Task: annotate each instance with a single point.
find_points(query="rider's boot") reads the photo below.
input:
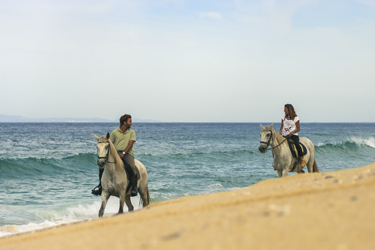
(133, 180)
(98, 189)
(302, 161)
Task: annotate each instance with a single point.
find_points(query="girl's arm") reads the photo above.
(281, 128)
(296, 130)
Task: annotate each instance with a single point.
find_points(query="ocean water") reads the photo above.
(47, 170)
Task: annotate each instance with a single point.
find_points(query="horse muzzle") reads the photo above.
(263, 148)
(102, 162)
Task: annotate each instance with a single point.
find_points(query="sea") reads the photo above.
(47, 170)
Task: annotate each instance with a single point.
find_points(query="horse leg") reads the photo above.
(279, 172)
(122, 201)
(285, 172)
(105, 197)
(129, 203)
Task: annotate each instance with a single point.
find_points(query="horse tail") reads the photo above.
(148, 196)
(145, 198)
(315, 167)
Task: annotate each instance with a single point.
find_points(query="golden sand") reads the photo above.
(332, 211)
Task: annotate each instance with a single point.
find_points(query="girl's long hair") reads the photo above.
(292, 112)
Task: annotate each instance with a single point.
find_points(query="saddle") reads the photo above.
(129, 171)
(294, 150)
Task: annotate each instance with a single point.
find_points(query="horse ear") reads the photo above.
(271, 126)
(261, 126)
(108, 135)
(97, 138)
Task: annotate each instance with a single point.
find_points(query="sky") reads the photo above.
(188, 61)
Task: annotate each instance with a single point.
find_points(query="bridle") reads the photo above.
(269, 142)
(106, 157)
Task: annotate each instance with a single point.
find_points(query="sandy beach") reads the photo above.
(334, 210)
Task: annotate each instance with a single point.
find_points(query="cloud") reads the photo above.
(213, 15)
(271, 13)
(367, 2)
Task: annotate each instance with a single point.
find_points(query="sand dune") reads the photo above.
(333, 210)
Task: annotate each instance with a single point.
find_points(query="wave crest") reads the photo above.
(31, 166)
(351, 145)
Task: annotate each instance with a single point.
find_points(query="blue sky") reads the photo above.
(188, 61)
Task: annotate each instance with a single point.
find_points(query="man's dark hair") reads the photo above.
(124, 118)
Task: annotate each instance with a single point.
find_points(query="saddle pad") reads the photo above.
(294, 151)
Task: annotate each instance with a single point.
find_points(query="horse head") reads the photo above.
(103, 149)
(265, 137)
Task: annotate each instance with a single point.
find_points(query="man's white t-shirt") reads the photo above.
(289, 125)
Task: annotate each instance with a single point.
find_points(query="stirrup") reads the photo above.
(134, 191)
(97, 190)
(302, 161)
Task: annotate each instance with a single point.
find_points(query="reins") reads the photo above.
(269, 142)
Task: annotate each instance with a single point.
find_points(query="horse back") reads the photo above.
(308, 144)
(141, 168)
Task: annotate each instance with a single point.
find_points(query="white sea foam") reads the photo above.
(357, 140)
(15, 229)
(360, 141)
(215, 186)
(68, 215)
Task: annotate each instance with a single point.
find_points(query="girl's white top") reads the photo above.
(289, 125)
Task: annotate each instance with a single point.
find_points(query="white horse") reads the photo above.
(114, 179)
(283, 160)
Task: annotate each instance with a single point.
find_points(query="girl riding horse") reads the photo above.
(290, 126)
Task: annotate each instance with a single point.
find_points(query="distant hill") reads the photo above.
(13, 118)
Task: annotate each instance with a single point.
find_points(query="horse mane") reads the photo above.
(118, 162)
(275, 133)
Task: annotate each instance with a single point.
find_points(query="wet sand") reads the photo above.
(334, 210)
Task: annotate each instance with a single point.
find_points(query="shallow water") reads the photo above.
(48, 169)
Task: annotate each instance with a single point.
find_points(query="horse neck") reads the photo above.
(113, 157)
(277, 140)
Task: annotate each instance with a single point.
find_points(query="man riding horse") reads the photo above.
(123, 138)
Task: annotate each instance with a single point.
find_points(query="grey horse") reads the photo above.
(283, 160)
(114, 180)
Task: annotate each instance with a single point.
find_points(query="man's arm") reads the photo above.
(127, 149)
